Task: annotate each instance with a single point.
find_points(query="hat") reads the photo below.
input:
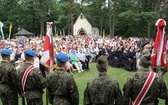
(16, 62)
(30, 53)
(145, 51)
(6, 52)
(102, 60)
(147, 46)
(146, 58)
(62, 57)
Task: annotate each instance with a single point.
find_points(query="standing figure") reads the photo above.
(31, 80)
(8, 80)
(61, 86)
(145, 86)
(102, 90)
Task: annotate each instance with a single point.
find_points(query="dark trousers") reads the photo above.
(9, 98)
(37, 101)
(84, 67)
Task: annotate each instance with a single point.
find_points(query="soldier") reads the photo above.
(102, 90)
(31, 80)
(8, 80)
(145, 86)
(61, 86)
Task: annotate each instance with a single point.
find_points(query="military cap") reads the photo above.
(147, 46)
(6, 52)
(146, 58)
(102, 60)
(30, 53)
(62, 57)
(145, 51)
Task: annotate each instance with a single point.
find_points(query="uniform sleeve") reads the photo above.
(86, 100)
(73, 91)
(127, 92)
(15, 79)
(118, 96)
(39, 80)
(163, 89)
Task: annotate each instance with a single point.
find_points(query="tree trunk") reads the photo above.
(41, 18)
(101, 26)
(109, 10)
(148, 30)
(69, 27)
(114, 18)
(72, 25)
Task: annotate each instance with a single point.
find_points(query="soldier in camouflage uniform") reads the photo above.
(61, 85)
(135, 83)
(102, 90)
(8, 80)
(35, 82)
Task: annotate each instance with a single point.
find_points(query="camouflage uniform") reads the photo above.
(34, 86)
(135, 83)
(62, 88)
(102, 90)
(8, 83)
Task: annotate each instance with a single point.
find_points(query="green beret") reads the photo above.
(102, 60)
(146, 58)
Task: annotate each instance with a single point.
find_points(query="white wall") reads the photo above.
(95, 31)
(82, 23)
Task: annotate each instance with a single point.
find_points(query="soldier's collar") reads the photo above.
(102, 73)
(5, 61)
(29, 62)
(145, 69)
(59, 68)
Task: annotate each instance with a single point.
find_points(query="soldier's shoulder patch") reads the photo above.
(14, 69)
(39, 72)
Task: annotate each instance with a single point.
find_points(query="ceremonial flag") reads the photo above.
(47, 58)
(10, 30)
(1, 25)
(103, 33)
(160, 44)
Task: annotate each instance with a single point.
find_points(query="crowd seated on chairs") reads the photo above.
(121, 52)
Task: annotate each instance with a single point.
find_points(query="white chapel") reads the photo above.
(85, 26)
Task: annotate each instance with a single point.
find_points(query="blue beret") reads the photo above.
(62, 57)
(30, 53)
(6, 52)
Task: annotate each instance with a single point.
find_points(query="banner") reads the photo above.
(159, 45)
(103, 33)
(10, 30)
(1, 25)
(47, 58)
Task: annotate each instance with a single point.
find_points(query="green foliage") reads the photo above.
(132, 17)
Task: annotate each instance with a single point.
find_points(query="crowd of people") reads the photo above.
(27, 77)
(121, 52)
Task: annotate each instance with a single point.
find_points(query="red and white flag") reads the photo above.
(47, 58)
(160, 44)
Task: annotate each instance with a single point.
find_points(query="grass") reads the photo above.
(119, 74)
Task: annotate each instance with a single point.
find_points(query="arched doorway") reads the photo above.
(82, 32)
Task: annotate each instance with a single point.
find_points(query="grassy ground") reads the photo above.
(119, 74)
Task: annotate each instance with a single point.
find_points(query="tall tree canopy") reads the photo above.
(126, 17)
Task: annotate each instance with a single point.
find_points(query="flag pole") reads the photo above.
(47, 58)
